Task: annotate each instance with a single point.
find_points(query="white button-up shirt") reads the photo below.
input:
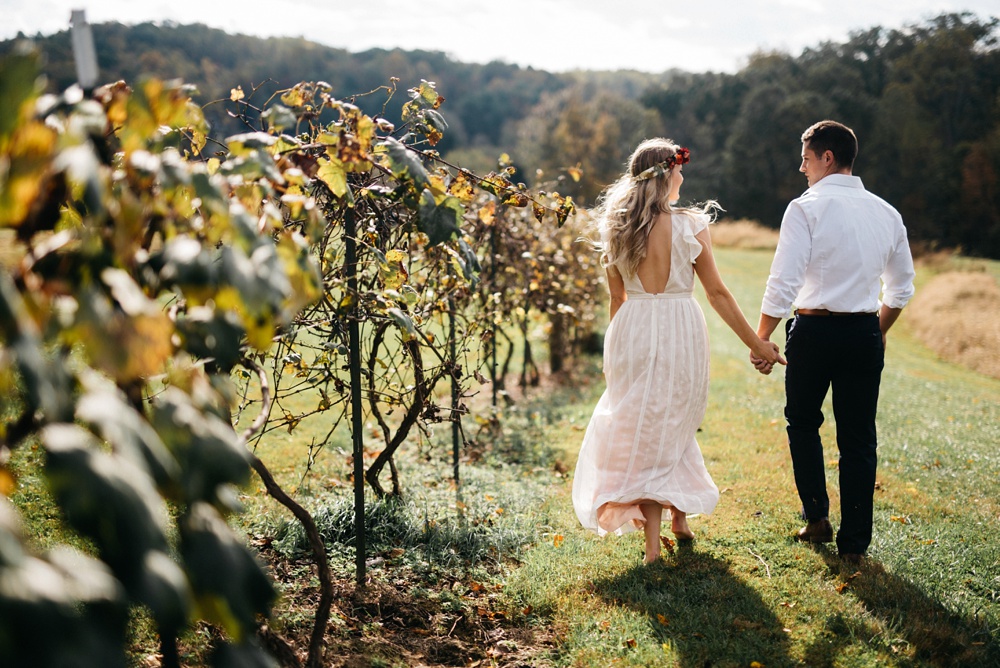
(838, 245)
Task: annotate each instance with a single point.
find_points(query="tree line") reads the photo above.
(924, 100)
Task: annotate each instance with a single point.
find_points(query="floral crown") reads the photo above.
(681, 157)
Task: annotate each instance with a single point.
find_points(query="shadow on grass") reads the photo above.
(917, 625)
(709, 616)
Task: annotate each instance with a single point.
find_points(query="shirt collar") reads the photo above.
(843, 180)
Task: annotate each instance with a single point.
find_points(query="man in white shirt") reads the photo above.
(839, 246)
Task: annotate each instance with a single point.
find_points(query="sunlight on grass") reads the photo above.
(746, 591)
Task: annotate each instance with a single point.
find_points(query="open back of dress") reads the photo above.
(640, 444)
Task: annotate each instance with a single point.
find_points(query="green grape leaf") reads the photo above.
(105, 498)
(404, 164)
(279, 118)
(210, 334)
(404, 323)
(206, 446)
(229, 585)
(440, 222)
(121, 425)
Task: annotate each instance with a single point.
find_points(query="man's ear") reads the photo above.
(829, 154)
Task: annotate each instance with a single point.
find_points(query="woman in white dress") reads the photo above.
(639, 454)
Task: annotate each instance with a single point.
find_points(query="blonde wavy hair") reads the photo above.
(628, 207)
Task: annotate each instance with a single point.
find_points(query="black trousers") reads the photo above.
(845, 353)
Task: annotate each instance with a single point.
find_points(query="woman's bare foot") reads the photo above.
(651, 513)
(679, 525)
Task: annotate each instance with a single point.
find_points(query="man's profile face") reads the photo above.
(815, 167)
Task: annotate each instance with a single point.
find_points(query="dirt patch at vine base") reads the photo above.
(399, 619)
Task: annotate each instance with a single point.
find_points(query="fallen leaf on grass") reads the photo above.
(557, 541)
(787, 604)
(668, 544)
(843, 585)
(630, 642)
(663, 620)
(902, 519)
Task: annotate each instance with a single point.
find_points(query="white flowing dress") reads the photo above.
(640, 444)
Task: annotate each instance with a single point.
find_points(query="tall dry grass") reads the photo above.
(744, 233)
(957, 314)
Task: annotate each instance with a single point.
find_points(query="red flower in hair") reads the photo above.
(681, 157)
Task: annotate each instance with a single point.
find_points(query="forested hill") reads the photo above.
(923, 99)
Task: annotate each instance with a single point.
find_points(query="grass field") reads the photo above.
(746, 592)
(500, 573)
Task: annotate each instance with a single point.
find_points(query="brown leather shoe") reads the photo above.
(852, 558)
(819, 531)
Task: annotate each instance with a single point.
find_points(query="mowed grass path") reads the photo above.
(745, 593)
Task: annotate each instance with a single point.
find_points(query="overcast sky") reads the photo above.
(555, 35)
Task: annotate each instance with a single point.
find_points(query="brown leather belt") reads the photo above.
(823, 311)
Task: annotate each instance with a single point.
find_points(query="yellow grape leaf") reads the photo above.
(538, 211)
(293, 97)
(8, 485)
(488, 213)
(438, 187)
(393, 272)
(198, 141)
(365, 132)
(461, 187)
(25, 164)
(331, 172)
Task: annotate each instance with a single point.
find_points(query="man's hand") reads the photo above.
(766, 357)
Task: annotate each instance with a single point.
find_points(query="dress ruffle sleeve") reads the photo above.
(694, 223)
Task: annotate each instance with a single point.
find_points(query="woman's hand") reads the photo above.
(764, 355)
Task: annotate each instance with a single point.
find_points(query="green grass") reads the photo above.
(746, 592)
(504, 565)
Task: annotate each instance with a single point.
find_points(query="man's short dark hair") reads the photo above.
(834, 137)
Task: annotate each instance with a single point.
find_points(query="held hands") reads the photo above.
(765, 355)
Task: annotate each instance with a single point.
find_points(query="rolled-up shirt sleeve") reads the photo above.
(788, 269)
(897, 279)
